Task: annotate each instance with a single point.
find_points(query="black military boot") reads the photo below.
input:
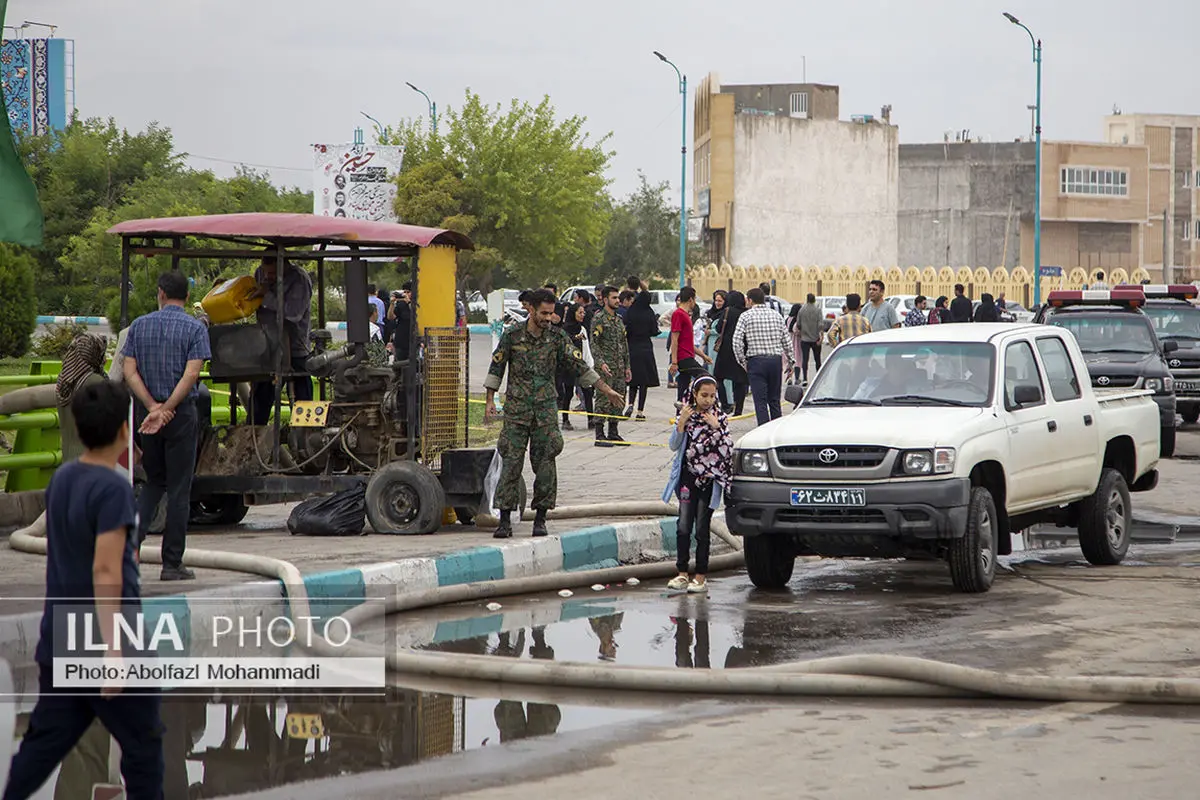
(614, 438)
(504, 529)
(539, 523)
(601, 439)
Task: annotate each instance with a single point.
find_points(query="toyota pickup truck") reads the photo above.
(938, 442)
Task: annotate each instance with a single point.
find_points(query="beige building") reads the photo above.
(1094, 209)
(1171, 141)
(780, 180)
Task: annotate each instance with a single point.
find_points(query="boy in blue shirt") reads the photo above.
(90, 559)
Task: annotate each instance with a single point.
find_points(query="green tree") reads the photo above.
(527, 187)
(18, 309)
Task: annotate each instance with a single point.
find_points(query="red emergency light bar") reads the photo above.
(1132, 297)
(1174, 291)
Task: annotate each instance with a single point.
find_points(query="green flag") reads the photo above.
(20, 215)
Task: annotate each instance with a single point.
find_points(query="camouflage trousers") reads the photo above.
(545, 442)
(606, 406)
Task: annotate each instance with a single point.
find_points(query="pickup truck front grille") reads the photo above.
(831, 455)
(844, 515)
(1114, 381)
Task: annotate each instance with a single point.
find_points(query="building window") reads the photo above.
(1198, 179)
(1186, 175)
(1198, 230)
(1187, 231)
(1093, 181)
(799, 104)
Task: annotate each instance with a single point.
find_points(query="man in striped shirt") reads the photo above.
(850, 324)
(760, 343)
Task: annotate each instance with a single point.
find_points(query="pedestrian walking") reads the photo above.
(610, 351)
(533, 354)
(852, 323)
(731, 376)
(771, 301)
(712, 329)
(163, 356)
(641, 326)
(684, 363)
(881, 314)
(960, 306)
(700, 475)
(578, 334)
(90, 561)
(761, 344)
(807, 334)
(916, 315)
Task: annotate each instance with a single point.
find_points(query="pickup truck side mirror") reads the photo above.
(793, 394)
(1170, 346)
(1026, 394)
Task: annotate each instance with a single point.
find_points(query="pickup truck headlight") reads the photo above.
(752, 462)
(1161, 385)
(937, 461)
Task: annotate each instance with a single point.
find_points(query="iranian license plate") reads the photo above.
(829, 497)
(1187, 386)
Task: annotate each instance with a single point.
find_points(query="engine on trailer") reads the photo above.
(361, 428)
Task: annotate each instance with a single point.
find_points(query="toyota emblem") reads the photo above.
(1175, 362)
(1103, 381)
(828, 455)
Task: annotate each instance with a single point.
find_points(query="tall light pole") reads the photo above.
(378, 127)
(432, 106)
(682, 173)
(1037, 132)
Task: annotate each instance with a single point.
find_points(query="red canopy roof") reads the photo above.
(307, 227)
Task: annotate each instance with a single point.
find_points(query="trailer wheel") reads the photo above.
(405, 498)
(219, 509)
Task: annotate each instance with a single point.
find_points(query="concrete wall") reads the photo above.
(774, 99)
(958, 201)
(814, 192)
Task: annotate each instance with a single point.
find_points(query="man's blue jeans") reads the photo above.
(766, 383)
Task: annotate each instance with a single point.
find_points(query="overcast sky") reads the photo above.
(258, 81)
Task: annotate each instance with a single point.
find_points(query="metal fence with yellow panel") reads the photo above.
(444, 421)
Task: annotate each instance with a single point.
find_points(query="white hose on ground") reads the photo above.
(853, 676)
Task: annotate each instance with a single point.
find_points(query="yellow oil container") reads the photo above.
(230, 301)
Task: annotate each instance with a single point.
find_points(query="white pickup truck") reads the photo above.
(938, 442)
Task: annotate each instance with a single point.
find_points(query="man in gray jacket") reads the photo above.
(809, 322)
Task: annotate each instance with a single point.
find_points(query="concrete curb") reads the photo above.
(333, 592)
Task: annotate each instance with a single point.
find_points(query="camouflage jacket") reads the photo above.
(533, 363)
(609, 345)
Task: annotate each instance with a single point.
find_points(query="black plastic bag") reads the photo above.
(341, 514)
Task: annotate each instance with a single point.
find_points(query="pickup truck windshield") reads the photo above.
(1175, 321)
(1108, 333)
(908, 373)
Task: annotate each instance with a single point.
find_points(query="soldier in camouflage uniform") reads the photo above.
(534, 354)
(610, 351)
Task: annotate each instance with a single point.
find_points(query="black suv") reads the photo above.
(1175, 319)
(1122, 351)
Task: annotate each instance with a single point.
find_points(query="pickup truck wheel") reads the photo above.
(973, 556)
(769, 560)
(1104, 520)
(1166, 448)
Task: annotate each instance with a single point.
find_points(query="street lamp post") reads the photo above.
(1037, 132)
(379, 134)
(432, 106)
(682, 173)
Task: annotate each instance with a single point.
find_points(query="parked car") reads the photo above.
(1118, 343)
(938, 442)
(903, 302)
(1175, 319)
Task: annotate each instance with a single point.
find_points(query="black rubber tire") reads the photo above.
(405, 498)
(1167, 448)
(973, 556)
(1192, 415)
(1104, 540)
(770, 560)
(219, 509)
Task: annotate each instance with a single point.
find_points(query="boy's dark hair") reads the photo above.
(524, 296)
(853, 302)
(919, 299)
(372, 311)
(626, 295)
(812, 298)
(634, 283)
(407, 287)
(100, 409)
(686, 293)
(582, 294)
(174, 285)
(539, 297)
(756, 296)
(958, 287)
(766, 287)
(372, 289)
(552, 287)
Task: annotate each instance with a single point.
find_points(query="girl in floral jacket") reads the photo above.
(700, 476)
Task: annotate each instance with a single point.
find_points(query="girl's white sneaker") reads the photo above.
(697, 587)
(678, 582)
